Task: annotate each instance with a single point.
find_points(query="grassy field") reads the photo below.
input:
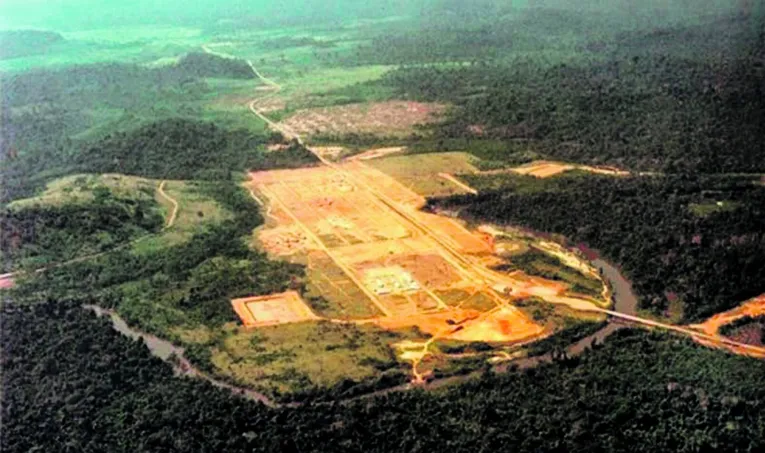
(194, 211)
(141, 45)
(81, 188)
(707, 209)
(555, 316)
(331, 86)
(295, 357)
(420, 172)
(506, 181)
(479, 301)
(536, 262)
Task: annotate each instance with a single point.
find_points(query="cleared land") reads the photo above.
(422, 173)
(329, 152)
(373, 257)
(192, 208)
(545, 169)
(377, 153)
(83, 188)
(297, 356)
(752, 308)
(282, 308)
(382, 118)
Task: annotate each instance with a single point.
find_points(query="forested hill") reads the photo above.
(167, 149)
(76, 85)
(174, 149)
(21, 43)
(88, 389)
(201, 64)
(186, 149)
(41, 234)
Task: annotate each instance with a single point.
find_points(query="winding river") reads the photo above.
(625, 301)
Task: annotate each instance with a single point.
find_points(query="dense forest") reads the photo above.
(649, 113)
(109, 82)
(70, 382)
(639, 99)
(186, 149)
(747, 329)
(203, 64)
(674, 236)
(174, 149)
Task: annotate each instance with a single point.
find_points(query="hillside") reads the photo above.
(22, 43)
(84, 216)
(201, 64)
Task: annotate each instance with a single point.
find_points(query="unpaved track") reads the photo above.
(458, 183)
(174, 213)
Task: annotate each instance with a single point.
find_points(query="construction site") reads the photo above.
(272, 309)
(376, 258)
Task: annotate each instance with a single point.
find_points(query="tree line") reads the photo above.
(89, 389)
(696, 240)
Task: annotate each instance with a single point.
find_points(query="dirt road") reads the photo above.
(458, 183)
(174, 212)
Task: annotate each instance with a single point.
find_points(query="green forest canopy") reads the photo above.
(93, 390)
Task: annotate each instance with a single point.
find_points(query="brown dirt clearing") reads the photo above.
(383, 118)
(751, 308)
(378, 153)
(380, 251)
(545, 169)
(281, 308)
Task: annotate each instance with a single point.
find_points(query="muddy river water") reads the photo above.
(625, 301)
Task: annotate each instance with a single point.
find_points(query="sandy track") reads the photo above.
(174, 212)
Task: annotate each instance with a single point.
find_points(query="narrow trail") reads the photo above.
(174, 213)
(452, 179)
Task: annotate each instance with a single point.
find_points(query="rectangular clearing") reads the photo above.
(281, 308)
